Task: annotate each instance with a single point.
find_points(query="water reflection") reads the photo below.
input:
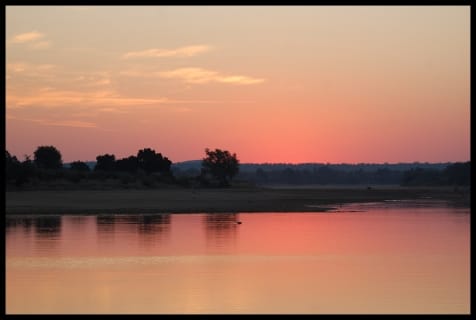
(149, 227)
(221, 228)
(378, 260)
(152, 228)
(105, 228)
(21, 222)
(158, 223)
(77, 222)
(47, 232)
(48, 226)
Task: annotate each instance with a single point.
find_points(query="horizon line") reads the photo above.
(305, 163)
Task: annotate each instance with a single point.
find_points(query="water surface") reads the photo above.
(397, 257)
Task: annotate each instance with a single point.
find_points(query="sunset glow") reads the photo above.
(271, 84)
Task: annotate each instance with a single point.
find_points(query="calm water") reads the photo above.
(370, 258)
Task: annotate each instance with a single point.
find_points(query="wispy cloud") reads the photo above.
(94, 79)
(22, 72)
(238, 79)
(188, 51)
(60, 123)
(48, 74)
(111, 110)
(68, 123)
(49, 97)
(33, 40)
(191, 75)
(27, 37)
(95, 92)
(201, 76)
(23, 67)
(92, 103)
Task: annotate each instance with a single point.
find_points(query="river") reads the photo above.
(374, 258)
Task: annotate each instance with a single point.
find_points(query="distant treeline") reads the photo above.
(405, 174)
(150, 169)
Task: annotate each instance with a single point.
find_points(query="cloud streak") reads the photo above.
(202, 76)
(52, 75)
(32, 40)
(47, 97)
(29, 69)
(58, 123)
(27, 37)
(96, 101)
(68, 123)
(187, 51)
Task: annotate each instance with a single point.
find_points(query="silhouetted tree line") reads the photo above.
(146, 168)
(406, 174)
(217, 169)
(16, 171)
(324, 175)
(147, 160)
(455, 174)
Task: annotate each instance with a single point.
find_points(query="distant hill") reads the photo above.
(185, 165)
(90, 164)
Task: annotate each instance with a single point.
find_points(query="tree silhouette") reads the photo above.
(26, 172)
(149, 161)
(10, 161)
(12, 166)
(129, 164)
(221, 165)
(105, 162)
(48, 157)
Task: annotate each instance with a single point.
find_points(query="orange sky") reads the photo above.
(273, 84)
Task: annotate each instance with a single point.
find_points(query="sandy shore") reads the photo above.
(211, 200)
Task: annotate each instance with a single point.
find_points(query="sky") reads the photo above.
(292, 84)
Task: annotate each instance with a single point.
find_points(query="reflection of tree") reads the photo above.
(105, 227)
(47, 231)
(105, 222)
(221, 227)
(148, 227)
(153, 227)
(149, 223)
(154, 223)
(47, 226)
(11, 224)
